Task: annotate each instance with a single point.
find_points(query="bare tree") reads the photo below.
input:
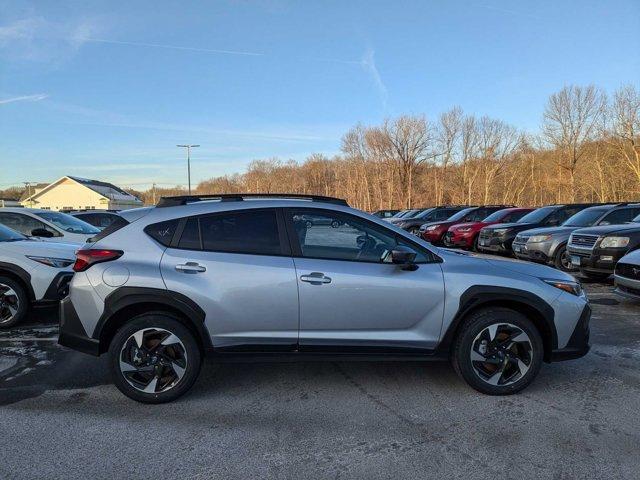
(624, 115)
(571, 119)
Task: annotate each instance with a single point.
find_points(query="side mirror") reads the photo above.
(405, 257)
(41, 232)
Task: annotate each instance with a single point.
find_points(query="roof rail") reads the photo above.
(239, 197)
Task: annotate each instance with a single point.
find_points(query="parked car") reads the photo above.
(627, 275)
(100, 219)
(233, 278)
(434, 214)
(48, 225)
(596, 250)
(465, 235)
(499, 238)
(549, 245)
(407, 214)
(385, 213)
(32, 273)
(434, 232)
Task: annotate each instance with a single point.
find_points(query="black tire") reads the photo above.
(595, 276)
(335, 224)
(474, 247)
(473, 327)
(168, 323)
(561, 261)
(17, 300)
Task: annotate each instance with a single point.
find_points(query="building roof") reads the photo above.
(34, 189)
(105, 189)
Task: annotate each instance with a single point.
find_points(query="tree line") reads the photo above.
(588, 149)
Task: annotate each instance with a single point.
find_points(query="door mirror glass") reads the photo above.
(41, 232)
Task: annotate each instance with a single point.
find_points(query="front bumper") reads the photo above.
(72, 334)
(57, 290)
(578, 344)
(460, 240)
(538, 252)
(495, 244)
(592, 260)
(627, 287)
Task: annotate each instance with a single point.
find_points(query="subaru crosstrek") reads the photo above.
(234, 275)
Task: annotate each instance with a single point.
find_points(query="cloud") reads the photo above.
(368, 63)
(24, 98)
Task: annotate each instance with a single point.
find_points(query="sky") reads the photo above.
(107, 89)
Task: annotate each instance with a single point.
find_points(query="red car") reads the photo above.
(465, 235)
(433, 232)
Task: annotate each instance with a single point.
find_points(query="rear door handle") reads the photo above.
(190, 267)
(315, 278)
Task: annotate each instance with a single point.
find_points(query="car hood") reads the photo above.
(42, 249)
(550, 230)
(607, 229)
(511, 264)
(633, 258)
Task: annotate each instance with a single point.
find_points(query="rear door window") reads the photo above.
(25, 224)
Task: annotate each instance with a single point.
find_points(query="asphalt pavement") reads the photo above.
(60, 417)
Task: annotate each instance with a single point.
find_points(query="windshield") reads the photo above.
(495, 216)
(8, 235)
(424, 213)
(538, 215)
(460, 215)
(411, 213)
(68, 223)
(584, 218)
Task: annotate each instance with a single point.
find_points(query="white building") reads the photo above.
(75, 193)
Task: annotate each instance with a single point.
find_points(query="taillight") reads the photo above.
(86, 258)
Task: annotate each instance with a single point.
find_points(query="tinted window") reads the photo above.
(537, 215)
(253, 231)
(569, 212)
(513, 216)
(161, 232)
(459, 215)
(190, 238)
(616, 217)
(337, 236)
(585, 218)
(24, 223)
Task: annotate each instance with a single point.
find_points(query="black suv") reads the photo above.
(596, 250)
(433, 214)
(499, 238)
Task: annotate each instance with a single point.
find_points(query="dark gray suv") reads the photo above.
(549, 245)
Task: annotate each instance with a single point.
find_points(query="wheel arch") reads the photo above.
(127, 302)
(483, 297)
(20, 275)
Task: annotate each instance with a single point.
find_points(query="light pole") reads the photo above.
(188, 147)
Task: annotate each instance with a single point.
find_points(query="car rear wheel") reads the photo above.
(14, 302)
(498, 351)
(154, 358)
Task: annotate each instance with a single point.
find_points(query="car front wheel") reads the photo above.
(13, 302)
(498, 351)
(154, 358)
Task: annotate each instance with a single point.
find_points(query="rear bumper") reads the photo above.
(579, 344)
(72, 333)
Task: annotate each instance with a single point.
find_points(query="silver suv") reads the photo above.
(231, 276)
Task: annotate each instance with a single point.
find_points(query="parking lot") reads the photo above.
(324, 420)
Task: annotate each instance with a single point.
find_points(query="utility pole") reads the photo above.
(188, 147)
(27, 186)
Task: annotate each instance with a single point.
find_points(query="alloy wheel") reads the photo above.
(9, 303)
(153, 360)
(501, 354)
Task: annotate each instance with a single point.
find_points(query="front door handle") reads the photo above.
(315, 278)
(190, 267)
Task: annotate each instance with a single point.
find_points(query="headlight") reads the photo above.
(431, 228)
(52, 262)
(614, 242)
(574, 288)
(539, 238)
(501, 231)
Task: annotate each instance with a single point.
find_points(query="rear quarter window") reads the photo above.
(162, 232)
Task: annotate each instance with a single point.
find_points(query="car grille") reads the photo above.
(485, 235)
(520, 239)
(584, 241)
(628, 271)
